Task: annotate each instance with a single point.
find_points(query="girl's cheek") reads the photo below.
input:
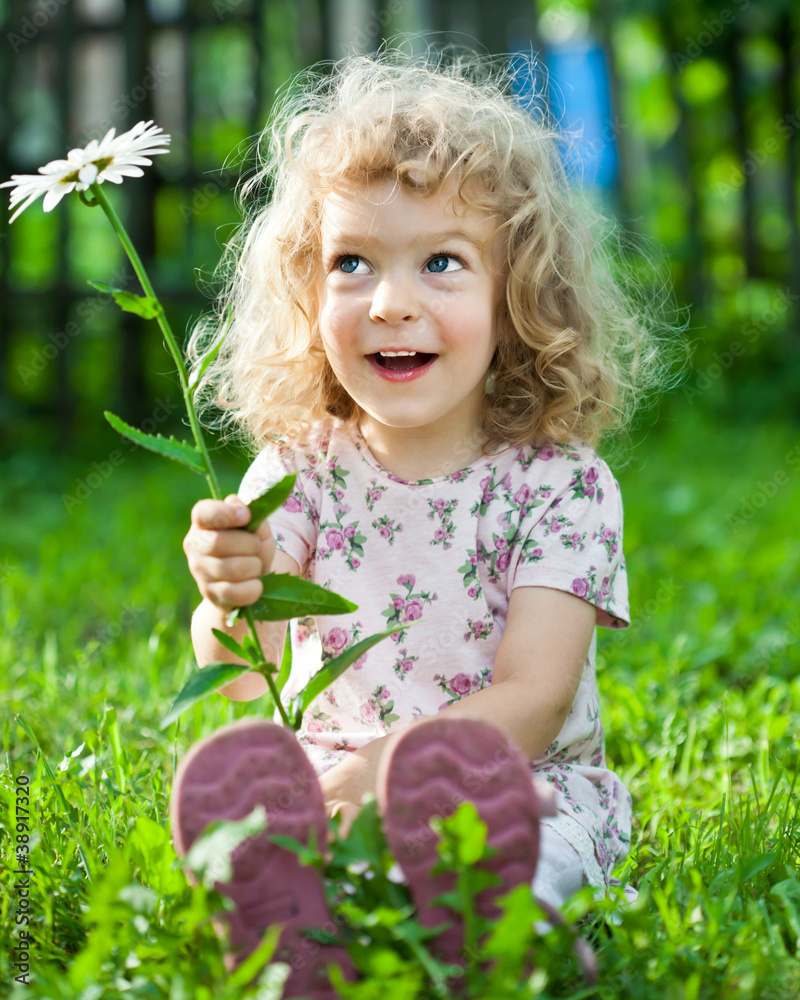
(336, 317)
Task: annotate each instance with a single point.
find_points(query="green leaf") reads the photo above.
(201, 683)
(254, 655)
(306, 855)
(463, 833)
(231, 644)
(286, 662)
(286, 596)
(273, 977)
(180, 451)
(519, 910)
(143, 305)
(336, 667)
(270, 501)
(211, 354)
(209, 857)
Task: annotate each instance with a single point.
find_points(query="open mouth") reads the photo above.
(402, 362)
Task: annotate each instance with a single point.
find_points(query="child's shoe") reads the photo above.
(432, 769)
(224, 777)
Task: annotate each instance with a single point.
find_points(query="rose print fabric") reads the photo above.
(440, 557)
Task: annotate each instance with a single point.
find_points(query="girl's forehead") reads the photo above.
(362, 206)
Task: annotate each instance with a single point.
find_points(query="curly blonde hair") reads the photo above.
(579, 343)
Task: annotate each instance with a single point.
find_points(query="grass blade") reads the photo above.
(59, 793)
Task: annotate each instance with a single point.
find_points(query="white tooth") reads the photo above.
(397, 354)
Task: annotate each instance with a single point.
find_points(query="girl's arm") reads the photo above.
(537, 669)
(227, 564)
(536, 674)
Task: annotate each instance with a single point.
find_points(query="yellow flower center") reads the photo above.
(101, 165)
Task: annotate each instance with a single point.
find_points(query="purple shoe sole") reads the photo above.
(432, 769)
(241, 766)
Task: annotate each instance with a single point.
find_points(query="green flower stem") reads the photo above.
(174, 350)
(470, 935)
(169, 336)
(267, 674)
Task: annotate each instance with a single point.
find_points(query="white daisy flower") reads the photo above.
(109, 159)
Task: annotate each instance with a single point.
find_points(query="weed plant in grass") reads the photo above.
(701, 704)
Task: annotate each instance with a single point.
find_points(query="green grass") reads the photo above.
(701, 704)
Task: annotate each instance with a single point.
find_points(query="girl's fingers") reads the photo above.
(218, 515)
(222, 544)
(228, 596)
(227, 563)
(347, 812)
(237, 570)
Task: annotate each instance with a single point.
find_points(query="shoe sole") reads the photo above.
(224, 777)
(432, 769)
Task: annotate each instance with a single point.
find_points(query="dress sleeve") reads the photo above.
(294, 525)
(576, 543)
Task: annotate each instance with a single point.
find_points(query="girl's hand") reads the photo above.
(345, 785)
(227, 563)
(346, 811)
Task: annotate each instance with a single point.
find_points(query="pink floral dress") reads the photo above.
(441, 557)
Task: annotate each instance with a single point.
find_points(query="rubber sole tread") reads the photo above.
(241, 766)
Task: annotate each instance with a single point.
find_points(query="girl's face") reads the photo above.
(405, 275)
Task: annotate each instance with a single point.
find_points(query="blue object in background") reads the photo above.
(579, 99)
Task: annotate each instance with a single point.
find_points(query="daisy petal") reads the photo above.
(31, 199)
(56, 167)
(116, 174)
(18, 179)
(122, 155)
(54, 196)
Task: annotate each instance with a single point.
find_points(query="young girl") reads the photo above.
(424, 327)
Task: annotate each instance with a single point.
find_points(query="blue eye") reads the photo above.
(348, 264)
(438, 264)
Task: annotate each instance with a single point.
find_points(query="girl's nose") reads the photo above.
(394, 301)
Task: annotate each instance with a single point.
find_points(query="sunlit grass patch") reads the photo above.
(701, 707)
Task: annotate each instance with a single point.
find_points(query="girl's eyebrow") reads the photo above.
(348, 241)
